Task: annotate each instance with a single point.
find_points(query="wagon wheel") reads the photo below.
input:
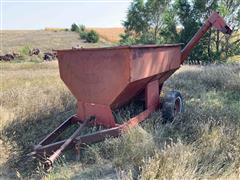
(172, 106)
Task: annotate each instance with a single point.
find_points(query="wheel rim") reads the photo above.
(177, 106)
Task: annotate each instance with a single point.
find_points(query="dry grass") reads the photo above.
(235, 58)
(32, 98)
(55, 29)
(109, 34)
(14, 40)
(202, 143)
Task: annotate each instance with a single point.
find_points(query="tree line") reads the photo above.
(176, 21)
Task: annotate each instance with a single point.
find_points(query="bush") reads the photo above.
(126, 39)
(74, 27)
(83, 34)
(24, 51)
(92, 37)
(82, 28)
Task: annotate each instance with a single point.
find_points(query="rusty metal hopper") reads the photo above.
(110, 77)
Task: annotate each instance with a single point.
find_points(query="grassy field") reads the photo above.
(108, 34)
(201, 143)
(15, 40)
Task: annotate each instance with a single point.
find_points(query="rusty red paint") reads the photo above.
(102, 113)
(103, 79)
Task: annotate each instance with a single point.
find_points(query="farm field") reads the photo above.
(201, 143)
(45, 40)
(110, 34)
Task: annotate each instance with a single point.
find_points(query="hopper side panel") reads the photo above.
(95, 76)
(147, 62)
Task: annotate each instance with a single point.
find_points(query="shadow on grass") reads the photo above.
(24, 134)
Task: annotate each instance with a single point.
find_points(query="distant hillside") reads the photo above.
(14, 40)
(110, 34)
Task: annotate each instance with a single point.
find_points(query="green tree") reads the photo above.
(82, 32)
(82, 27)
(136, 24)
(154, 16)
(155, 21)
(214, 45)
(92, 37)
(127, 39)
(227, 46)
(168, 32)
(190, 22)
(74, 27)
(150, 22)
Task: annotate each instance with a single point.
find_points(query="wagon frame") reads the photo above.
(131, 72)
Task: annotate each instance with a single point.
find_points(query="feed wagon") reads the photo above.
(104, 79)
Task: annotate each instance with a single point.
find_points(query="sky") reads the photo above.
(39, 14)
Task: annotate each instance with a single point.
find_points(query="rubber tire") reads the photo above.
(169, 108)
